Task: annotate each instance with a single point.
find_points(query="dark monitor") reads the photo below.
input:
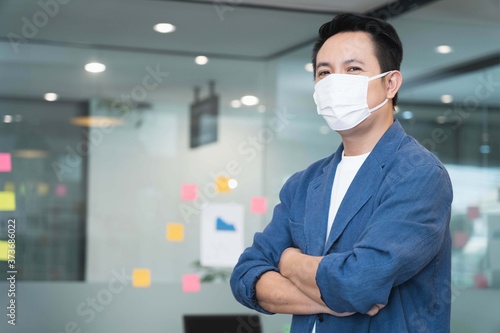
(204, 121)
(233, 323)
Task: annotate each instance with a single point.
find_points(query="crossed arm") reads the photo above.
(294, 290)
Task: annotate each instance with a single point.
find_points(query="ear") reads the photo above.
(393, 83)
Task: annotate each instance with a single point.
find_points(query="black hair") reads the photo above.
(388, 46)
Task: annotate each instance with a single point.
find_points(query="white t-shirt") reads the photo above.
(346, 171)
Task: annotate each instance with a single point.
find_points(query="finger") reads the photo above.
(373, 311)
(340, 314)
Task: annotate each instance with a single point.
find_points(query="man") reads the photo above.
(360, 241)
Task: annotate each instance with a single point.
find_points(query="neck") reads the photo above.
(363, 138)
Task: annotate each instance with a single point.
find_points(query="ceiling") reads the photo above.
(42, 52)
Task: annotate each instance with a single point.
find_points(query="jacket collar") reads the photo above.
(362, 188)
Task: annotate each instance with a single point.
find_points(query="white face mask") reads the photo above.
(342, 99)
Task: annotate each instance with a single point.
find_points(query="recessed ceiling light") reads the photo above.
(201, 60)
(7, 118)
(444, 49)
(249, 100)
(235, 104)
(232, 184)
(50, 97)
(95, 67)
(164, 28)
(309, 67)
(447, 99)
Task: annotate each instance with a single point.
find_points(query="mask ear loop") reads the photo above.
(379, 75)
(378, 106)
(386, 100)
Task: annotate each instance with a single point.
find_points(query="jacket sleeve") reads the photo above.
(265, 252)
(405, 232)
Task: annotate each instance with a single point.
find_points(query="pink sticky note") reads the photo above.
(473, 212)
(5, 162)
(61, 190)
(460, 239)
(191, 283)
(480, 281)
(258, 205)
(189, 192)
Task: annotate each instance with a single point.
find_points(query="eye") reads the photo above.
(323, 73)
(353, 69)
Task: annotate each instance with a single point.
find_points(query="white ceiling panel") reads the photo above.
(326, 5)
(481, 87)
(244, 32)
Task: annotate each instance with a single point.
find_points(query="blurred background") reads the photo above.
(121, 121)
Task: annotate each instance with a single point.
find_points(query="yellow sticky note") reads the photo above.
(9, 187)
(222, 184)
(175, 232)
(141, 278)
(4, 251)
(42, 189)
(7, 201)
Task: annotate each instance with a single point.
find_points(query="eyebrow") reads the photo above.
(323, 64)
(347, 62)
(350, 61)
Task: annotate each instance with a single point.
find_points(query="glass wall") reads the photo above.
(45, 195)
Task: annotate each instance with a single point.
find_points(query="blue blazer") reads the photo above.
(389, 244)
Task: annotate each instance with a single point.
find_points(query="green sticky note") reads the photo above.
(286, 328)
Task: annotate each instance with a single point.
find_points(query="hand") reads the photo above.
(292, 259)
(375, 309)
(339, 314)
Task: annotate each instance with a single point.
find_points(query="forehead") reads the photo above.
(346, 45)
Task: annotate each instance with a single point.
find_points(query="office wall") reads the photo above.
(135, 178)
